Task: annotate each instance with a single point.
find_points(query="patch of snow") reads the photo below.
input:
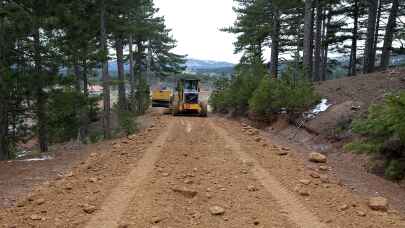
(22, 153)
(322, 107)
(43, 158)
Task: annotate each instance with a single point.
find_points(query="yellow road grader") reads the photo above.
(186, 99)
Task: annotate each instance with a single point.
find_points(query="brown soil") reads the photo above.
(352, 96)
(172, 174)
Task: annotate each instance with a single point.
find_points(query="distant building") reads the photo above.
(95, 90)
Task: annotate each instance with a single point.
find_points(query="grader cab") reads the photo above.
(187, 99)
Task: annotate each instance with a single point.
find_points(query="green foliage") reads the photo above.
(217, 98)
(254, 91)
(63, 115)
(127, 122)
(384, 133)
(64, 109)
(140, 100)
(293, 94)
(233, 96)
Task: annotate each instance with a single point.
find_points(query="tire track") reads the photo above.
(118, 201)
(297, 213)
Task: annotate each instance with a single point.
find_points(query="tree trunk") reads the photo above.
(326, 46)
(40, 95)
(275, 40)
(369, 53)
(308, 37)
(4, 149)
(318, 43)
(76, 69)
(119, 46)
(79, 112)
(84, 118)
(4, 152)
(105, 77)
(353, 51)
(389, 35)
(131, 66)
(377, 30)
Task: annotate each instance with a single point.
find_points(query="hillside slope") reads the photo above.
(351, 97)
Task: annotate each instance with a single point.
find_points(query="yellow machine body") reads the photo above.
(186, 99)
(161, 97)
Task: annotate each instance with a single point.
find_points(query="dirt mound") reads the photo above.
(351, 97)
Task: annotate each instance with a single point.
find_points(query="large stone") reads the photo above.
(216, 210)
(378, 203)
(317, 157)
(40, 201)
(189, 193)
(35, 217)
(281, 152)
(305, 182)
(89, 209)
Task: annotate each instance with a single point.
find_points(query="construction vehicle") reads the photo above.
(186, 99)
(161, 97)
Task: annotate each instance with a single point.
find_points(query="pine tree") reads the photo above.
(389, 34)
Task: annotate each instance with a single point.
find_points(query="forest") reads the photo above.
(51, 53)
(287, 47)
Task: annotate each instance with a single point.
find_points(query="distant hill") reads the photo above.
(192, 65)
(209, 66)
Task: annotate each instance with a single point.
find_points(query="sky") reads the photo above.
(195, 25)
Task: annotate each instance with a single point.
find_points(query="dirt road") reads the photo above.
(195, 172)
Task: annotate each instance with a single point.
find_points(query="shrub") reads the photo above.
(65, 108)
(217, 98)
(383, 133)
(274, 95)
(139, 102)
(233, 95)
(127, 122)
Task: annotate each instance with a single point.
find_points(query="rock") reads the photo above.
(315, 175)
(256, 223)
(35, 217)
(92, 180)
(258, 139)
(40, 201)
(165, 174)
(217, 210)
(252, 188)
(305, 182)
(361, 213)
(188, 181)
(185, 192)
(123, 226)
(282, 152)
(70, 174)
(378, 203)
(317, 157)
(68, 187)
(156, 220)
(89, 209)
(324, 179)
(303, 192)
(21, 203)
(323, 168)
(343, 207)
(131, 137)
